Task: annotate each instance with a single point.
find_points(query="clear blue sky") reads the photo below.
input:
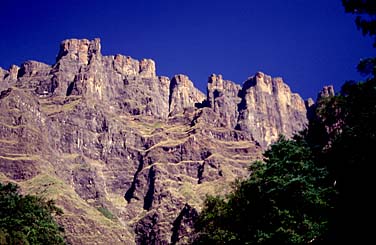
(309, 43)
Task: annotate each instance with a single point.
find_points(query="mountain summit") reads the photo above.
(127, 154)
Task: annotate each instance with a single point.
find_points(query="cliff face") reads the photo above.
(223, 98)
(268, 109)
(127, 154)
(265, 107)
(183, 94)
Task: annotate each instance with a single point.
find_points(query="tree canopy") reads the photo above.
(27, 219)
(318, 187)
(286, 200)
(365, 11)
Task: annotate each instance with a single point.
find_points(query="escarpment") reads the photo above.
(130, 155)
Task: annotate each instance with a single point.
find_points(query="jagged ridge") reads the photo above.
(113, 134)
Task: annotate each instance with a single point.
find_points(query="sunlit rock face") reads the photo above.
(264, 106)
(269, 109)
(183, 94)
(127, 154)
(223, 98)
(327, 91)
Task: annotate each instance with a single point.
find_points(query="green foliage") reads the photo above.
(27, 219)
(317, 188)
(106, 212)
(350, 157)
(367, 67)
(343, 135)
(365, 11)
(286, 200)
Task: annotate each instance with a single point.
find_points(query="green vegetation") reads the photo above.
(285, 200)
(107, 213)
(80, 213)
(344, 138)
(365, 11)
(27, 219)
(316, 188)
(59, 104)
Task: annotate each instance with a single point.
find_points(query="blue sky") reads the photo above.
(308, 43)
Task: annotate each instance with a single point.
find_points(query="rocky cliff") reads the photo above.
(127, 154)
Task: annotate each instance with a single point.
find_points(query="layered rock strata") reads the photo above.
(127, 154)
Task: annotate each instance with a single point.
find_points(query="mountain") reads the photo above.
(128, 155)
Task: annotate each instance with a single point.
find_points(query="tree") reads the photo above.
(290, 197)
(27, 219)
(365, 11)
(350, 157)
(348, 123)
(286, 200)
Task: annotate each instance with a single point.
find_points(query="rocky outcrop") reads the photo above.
(36, 76)
(3, 73)
(125, 65)
(269, 109)
(73, 58)
(13, 72)
(223, 98)
(183, 224)
(127, 154)
(80, 50)
(3, 81)
(327, 91)
(265, 107)
(183, 94)
(8, 78)
(147, 68)
(34, 69)
(314, 109)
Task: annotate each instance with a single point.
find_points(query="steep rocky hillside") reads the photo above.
(127, 154)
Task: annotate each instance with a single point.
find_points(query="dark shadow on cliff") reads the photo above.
(148, 200)
(130, 192)
(186, 217)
